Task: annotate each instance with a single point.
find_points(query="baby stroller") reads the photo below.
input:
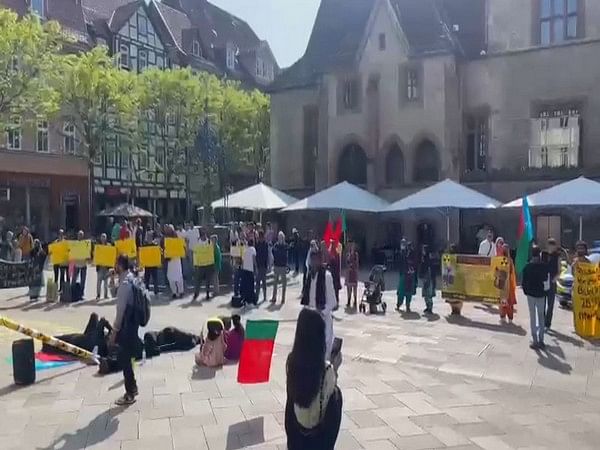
(373, 293)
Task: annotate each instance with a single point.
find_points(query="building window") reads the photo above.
(230, 57)
(160, 157)
(160, 62)
(555, 137)
(42, 136)
(110, 155)
(351, 93)
(143, 158)
(477, 143)
(13, 135)
(124, 56)
(412, 84)
(196, 51)
(142, 60)
(381, 41)
(37, 8)
(142, 25)
(260, 68)
(69, 137)
(558, 20)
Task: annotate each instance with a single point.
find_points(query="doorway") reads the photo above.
(547, 227)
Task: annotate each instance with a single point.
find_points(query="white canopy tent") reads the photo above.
(259, 197)
(444, 195)
(580, 192)
(343, 196)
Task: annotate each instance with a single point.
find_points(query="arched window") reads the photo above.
(394, 166)
(427, 166)
(352, 165)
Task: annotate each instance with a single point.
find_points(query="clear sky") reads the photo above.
(286, 24)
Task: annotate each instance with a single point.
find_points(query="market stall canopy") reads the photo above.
(125, 210)
(259, 197)
(578, 192)
(446, 194)
(342, 196)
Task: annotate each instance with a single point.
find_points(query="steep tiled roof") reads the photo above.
(68, 13)
(122, 14)
(101, 9)
(176, 20)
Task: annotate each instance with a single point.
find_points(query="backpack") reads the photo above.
(141, 304)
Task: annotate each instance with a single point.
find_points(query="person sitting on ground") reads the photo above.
(212, 353)
(234, 339)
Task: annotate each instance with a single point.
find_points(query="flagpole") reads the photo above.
(580, 228)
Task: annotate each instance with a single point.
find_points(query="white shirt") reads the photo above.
(330, 301)
(248, 259)
(192, 238)
(487, 248)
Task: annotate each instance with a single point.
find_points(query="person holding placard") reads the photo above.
(174, 270)
(151, 273)
(102, 272)
(203, 272)
(80, 268)
(60, 262)
(214, 239)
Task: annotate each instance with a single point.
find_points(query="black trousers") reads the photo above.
(151, 272)
(124, 355)
(202, 274)
(64, 276)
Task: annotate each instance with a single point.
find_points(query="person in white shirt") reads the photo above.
(487, 246)
(319, 294)
(247, 283)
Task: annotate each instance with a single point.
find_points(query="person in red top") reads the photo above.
(234, 339)
(125, 232)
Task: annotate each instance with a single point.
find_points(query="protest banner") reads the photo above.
(204, 255)
(59, 253)
(18, 274)
(237, 251)
(126, 247)
(586, 300)
(150, 256)
(474, 278)
(174, 248)
(105, 255)
(80, 250)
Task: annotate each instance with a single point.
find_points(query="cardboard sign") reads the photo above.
(237, 251)
(105, 255)
(80, 250)
(174, 248)
(150, 256)
(586, 300)
(126, 247)
(204, 255)
(59, 253)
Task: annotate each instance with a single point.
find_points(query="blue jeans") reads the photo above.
(536, 316)
(550, 295)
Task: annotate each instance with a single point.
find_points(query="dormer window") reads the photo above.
(230, 57)
(196, 50)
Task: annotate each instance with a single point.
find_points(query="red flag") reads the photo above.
(337, 233)
(257, 351)
(328, 235)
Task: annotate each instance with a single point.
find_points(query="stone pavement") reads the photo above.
(408, 381)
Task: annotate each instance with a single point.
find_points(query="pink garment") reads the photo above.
(212, 353)
(234, 340)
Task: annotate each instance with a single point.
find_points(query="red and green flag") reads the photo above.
(257, 351)
(524, 237)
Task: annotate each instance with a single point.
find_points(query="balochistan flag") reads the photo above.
(257, 350)
(524, 236)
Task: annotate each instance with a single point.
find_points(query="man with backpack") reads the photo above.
(133, 311)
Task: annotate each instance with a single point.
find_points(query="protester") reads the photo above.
(499, 246)
(102, 273)
(318, 293)
(313, 410)
(212, 352)
(262, 265)
(203, 274)
(551, 257)
(314, 246)
(125, 330)
(61, 268)
(174, 270)
(124, 232)
(507, 304)
(352, 268)
(234, 339)
(151, 273)
(138, 232)
(115, 233)
(80, 270)
(248, 292)
(407, 281)
(487, 246)
(7, 247)
(581, 253)
(110, 223)
(428, 276)
(280, 261)
(38, 259)
(192, 239)
(535, 275)
(25, 243)
(270, 235)
(335, 267)
(214, 239)
(295, 245)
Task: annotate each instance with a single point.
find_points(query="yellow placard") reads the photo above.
(105, 255)
(80, 250)
(59, 252)
(586, 300)
(237, 251)
(174, 248)
(475, 278)
(126, 247)
(204, 255)
(150, 256)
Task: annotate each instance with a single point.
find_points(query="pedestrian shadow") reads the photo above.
(191, 304)
(203, 372)
(274, 307)
(411, 315)
(547, 358)
(490, 309)
(565, 338)
(433, 317)
(252, 431)
(463, 321)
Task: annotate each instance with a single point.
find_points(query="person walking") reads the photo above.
(247, 275)
(507, 304)
(427, 274)
(280, 266)
(295, 245)
(407, 281)
(535, 276)
(102, 273)
(38, 259)
(262, 265)
(174, 270)
(313, 410)
(25, 243)
(488, 246)
(551, 257)
(214, 239)
(352, 267)
(125, 330)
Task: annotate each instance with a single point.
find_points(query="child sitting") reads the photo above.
(212, 351)
(234, 339)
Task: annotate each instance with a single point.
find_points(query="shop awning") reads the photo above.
(342, 196)
(578, 192)
(125, 210)
(259, 197)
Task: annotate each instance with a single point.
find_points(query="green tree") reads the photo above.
(29, 57)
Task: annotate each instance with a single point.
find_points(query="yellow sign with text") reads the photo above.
(126, 247)
(59, 253)
(80, 250)
(204, 255)
(475, 278)
(150, 256)
(586, 300)
(237, 251)
(105, 255)
(174, 248)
